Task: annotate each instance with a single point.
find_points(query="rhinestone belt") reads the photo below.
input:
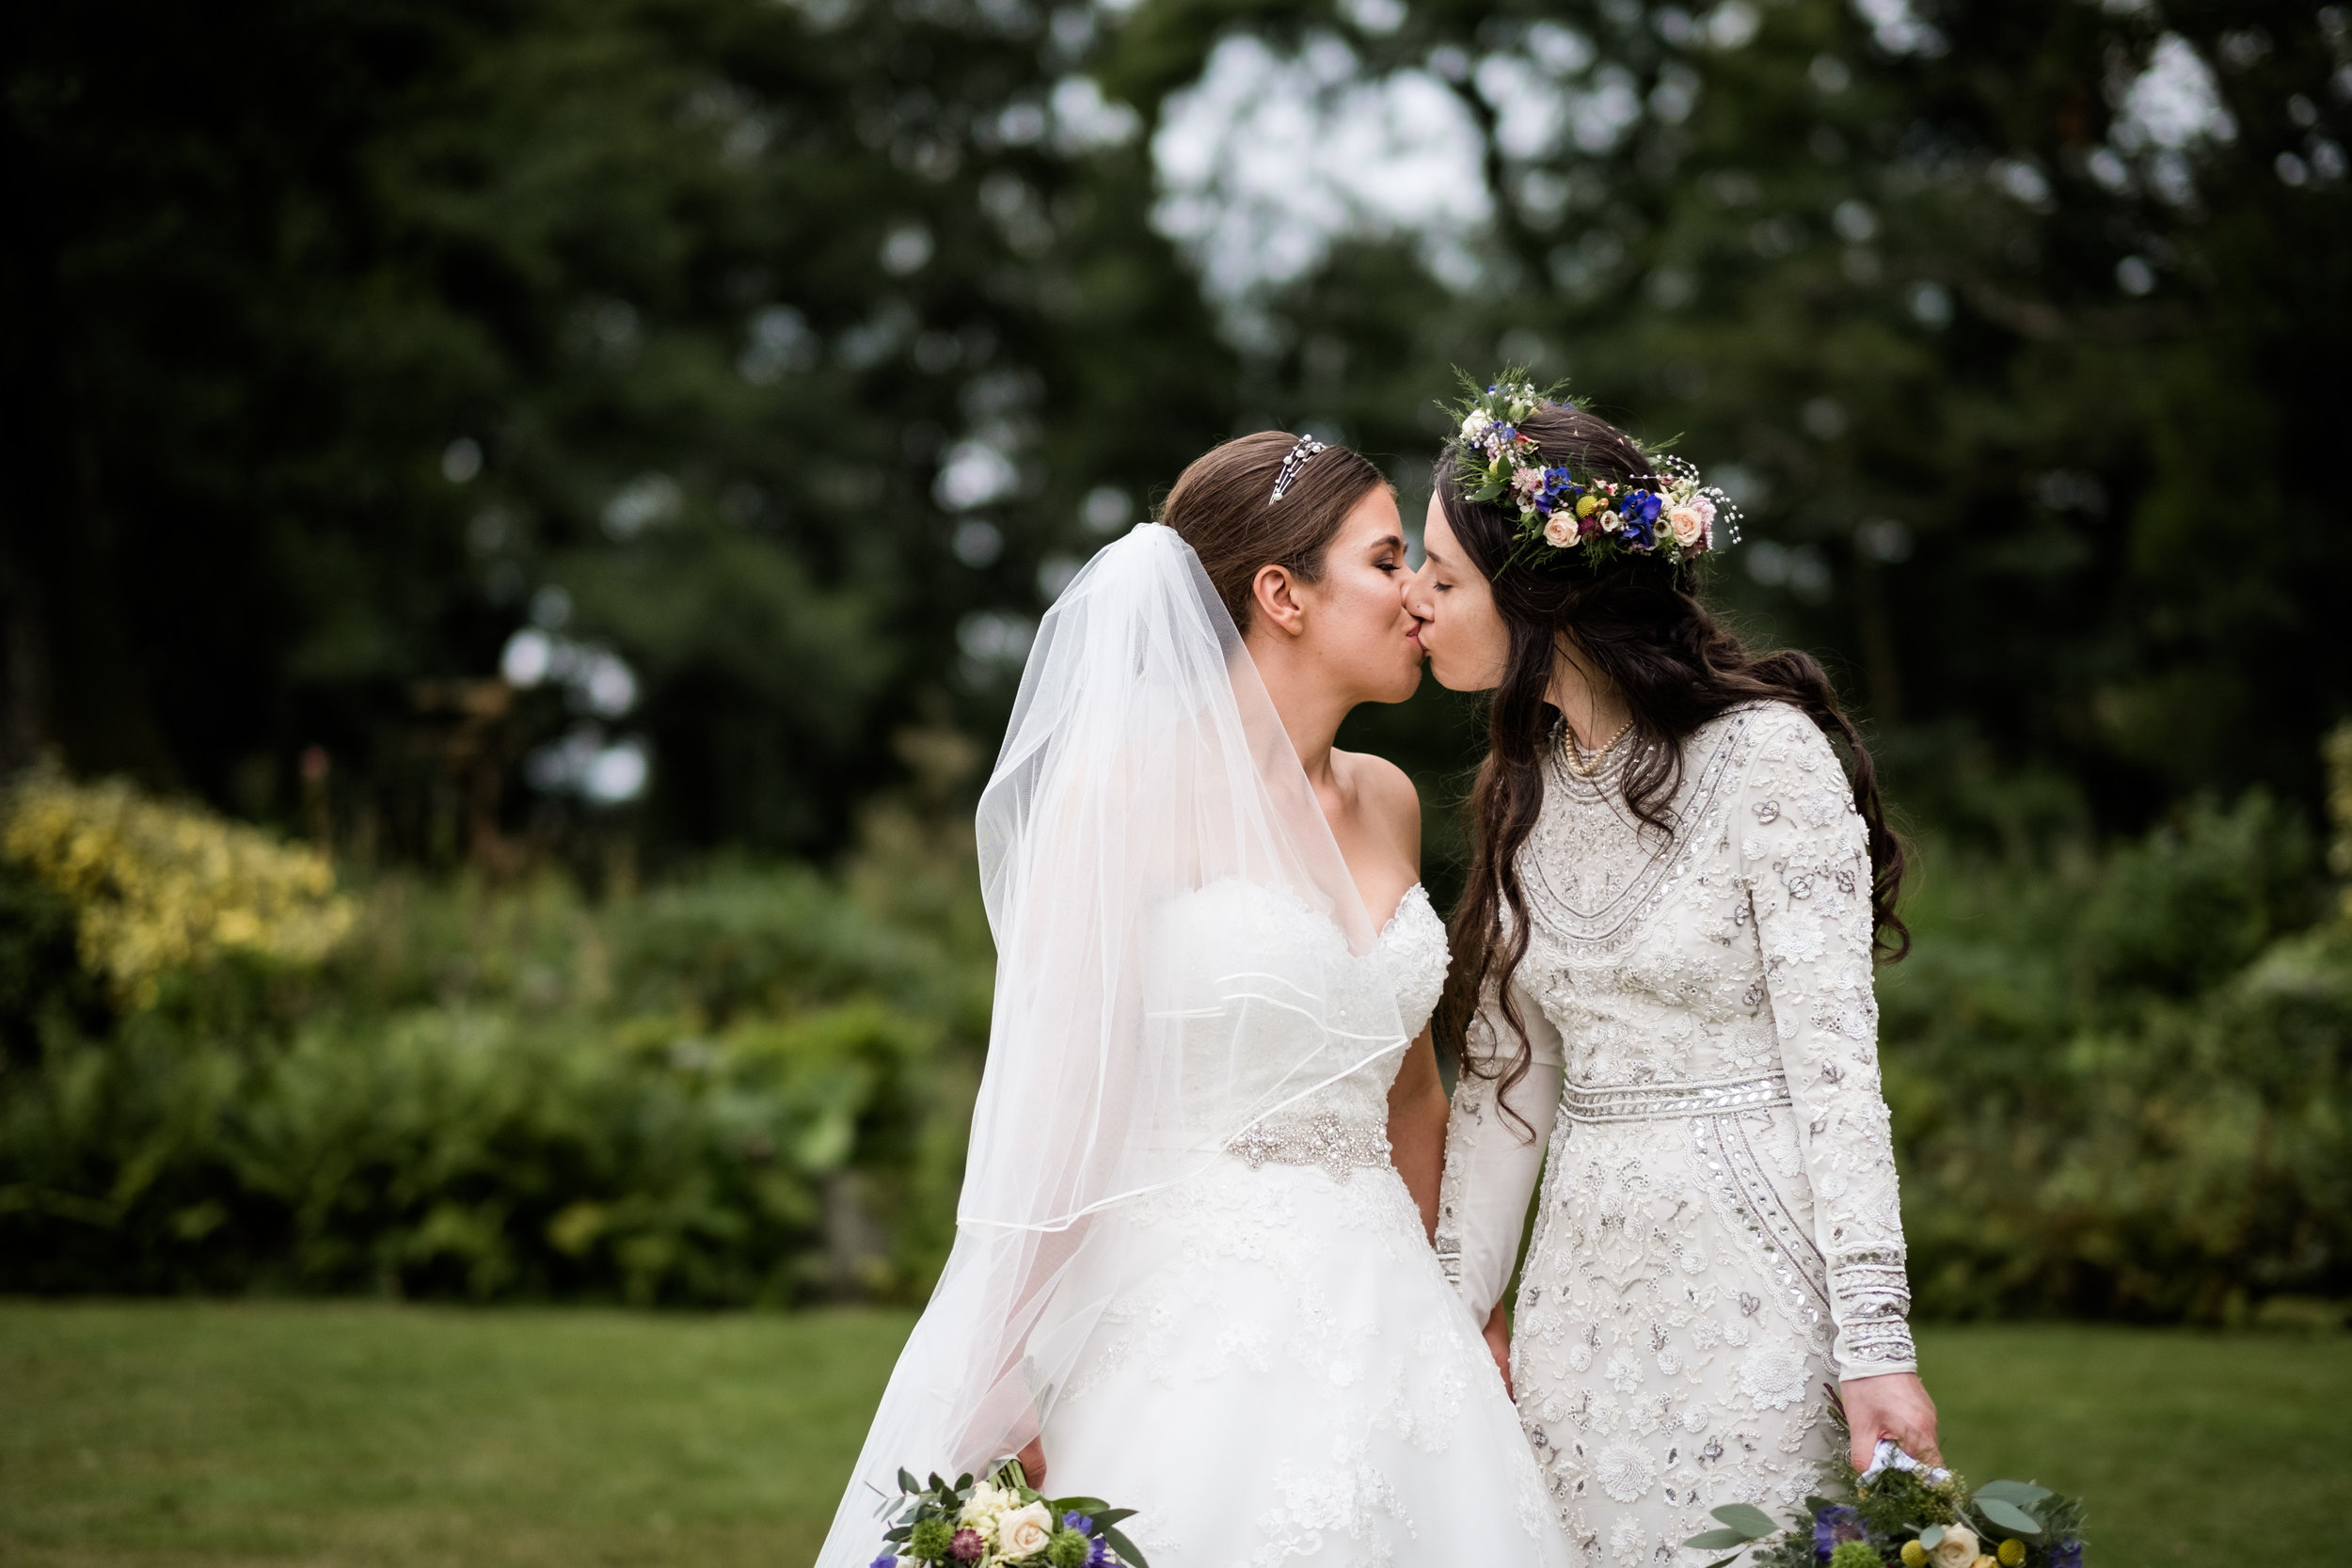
(1663, 1101)
(1333, 1145)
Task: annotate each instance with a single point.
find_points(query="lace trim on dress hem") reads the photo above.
(1334, 1145)
(1666, 1102)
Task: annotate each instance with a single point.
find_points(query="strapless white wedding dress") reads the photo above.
(1281, 1374)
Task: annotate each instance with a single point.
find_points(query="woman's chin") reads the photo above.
(1452, 679)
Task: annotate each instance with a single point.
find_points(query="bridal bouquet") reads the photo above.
(1002, 1520)
(1902, 1512)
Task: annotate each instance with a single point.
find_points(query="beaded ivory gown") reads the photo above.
(1285, 1376)
(1718, 1235)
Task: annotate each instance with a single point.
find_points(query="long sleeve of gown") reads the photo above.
(1803, 859)
(1492, 1161)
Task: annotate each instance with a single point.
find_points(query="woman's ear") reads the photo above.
(1274, 596)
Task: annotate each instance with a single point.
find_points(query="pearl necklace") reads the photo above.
(1573, 756)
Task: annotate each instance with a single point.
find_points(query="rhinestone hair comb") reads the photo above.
(1307, 446)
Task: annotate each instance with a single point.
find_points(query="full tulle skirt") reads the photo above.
(1280, 1374)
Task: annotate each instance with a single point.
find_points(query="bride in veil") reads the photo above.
(1192, 1272)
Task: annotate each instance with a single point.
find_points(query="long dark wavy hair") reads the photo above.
(1636, 622)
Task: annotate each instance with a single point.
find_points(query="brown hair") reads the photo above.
(1221, 507)
(1636, 622)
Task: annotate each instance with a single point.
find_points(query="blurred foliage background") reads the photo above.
(583, 475)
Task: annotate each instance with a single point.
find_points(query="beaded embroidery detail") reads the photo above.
(1334, 1145)
(1657, 1102)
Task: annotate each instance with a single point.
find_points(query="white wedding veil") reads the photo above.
(1144, 763)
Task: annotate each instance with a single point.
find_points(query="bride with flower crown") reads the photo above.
(1664, 954)
(1192, 1271)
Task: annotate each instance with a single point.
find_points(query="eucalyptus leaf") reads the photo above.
(1103, 1515)
(2024, 1494)
(1930, 1536)
(2007, 1515)
(1126, 1548)
(907, 1482)
(1751, 1521)
(1716, 1540)
(1725, 1562)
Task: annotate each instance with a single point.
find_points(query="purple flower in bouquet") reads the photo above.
(967, 1546)
(888, 1560)
(2067, 1553)
(1832, 1527)
(1077, 1521)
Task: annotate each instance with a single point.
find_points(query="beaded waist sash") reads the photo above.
(1665, 1102)
(1334, 1145)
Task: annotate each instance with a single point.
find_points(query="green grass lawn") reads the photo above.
(339, 1434)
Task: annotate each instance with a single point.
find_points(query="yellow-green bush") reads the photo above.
(158, 885)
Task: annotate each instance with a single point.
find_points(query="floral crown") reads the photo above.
(1558, 511)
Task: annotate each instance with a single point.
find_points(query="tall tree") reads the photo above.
(719, 346)
(2016, 327)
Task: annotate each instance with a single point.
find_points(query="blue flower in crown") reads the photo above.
(1640, 511)
(1559, 493)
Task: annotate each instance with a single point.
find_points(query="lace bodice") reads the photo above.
(1233, 960)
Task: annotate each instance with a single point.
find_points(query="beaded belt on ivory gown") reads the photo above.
(1336, 1144)
(1664, 1102)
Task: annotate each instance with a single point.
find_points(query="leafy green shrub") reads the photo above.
(2120, 1083)
(741, 1088)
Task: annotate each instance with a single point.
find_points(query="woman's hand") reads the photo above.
(1032, 1459)
(1894, 1404)
(1498, 1337)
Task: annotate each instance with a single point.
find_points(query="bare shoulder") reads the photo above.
(1387, 797)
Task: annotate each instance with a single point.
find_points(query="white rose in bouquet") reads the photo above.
(1958, 1549)
(1025, 1532)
